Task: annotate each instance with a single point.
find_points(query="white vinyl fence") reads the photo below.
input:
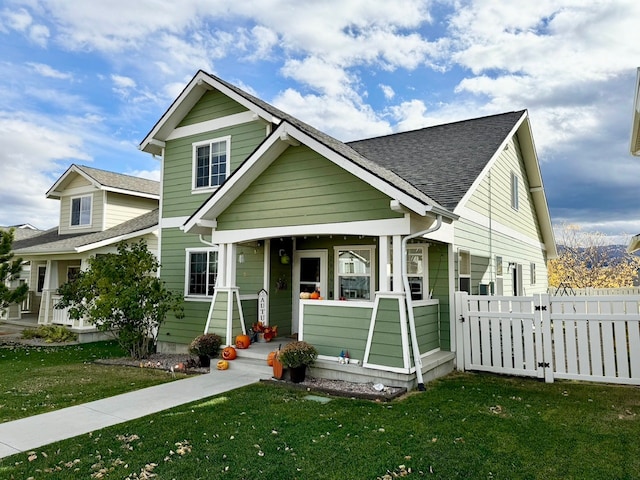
(594, 338)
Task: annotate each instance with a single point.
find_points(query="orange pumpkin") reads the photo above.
(315, 295)
(229, 353)
(222, 365)
(270, 358)
(243, 341)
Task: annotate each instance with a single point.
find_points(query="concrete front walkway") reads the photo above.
(32, 432)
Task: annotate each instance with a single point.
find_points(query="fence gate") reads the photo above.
(583, 338)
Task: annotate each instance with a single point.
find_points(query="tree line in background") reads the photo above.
(585, 259)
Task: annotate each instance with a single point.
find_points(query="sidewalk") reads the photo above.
(32, 432)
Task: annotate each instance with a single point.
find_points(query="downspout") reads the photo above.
(407, 290)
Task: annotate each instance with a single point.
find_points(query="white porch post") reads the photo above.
(383, 256)
(50, 286)
(398, 285)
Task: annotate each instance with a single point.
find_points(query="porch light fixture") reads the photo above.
(284, 257)
(241, 258)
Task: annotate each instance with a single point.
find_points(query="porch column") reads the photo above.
(383, 257)
(398, 286)
(50, 286)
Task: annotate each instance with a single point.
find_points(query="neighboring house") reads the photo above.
(254, 199)
(20, 232)
(98, 209)
(634, 147)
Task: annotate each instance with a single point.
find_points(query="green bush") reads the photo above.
(50, 334)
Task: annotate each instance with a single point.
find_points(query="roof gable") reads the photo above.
(104, 180)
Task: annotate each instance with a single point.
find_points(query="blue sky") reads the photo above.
(84, 82)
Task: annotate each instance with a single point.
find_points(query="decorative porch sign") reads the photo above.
(263, 307)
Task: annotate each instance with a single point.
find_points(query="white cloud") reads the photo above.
(39, 34)
(19, 20)
(122, 82)
(32, 157)
(387, 91)
(340, 118)
(49, 72)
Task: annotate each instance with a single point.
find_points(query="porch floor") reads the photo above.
(434, 366)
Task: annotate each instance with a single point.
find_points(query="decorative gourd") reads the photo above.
(315, 295)
(305, 295)
(270, 358)
(243, 341)
(229, 353)
(222, 365)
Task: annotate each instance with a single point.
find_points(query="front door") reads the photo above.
(309, 275)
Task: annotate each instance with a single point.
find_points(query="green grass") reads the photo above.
(464, 426)
(41, 379)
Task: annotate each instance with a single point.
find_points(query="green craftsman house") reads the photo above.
(260, 210)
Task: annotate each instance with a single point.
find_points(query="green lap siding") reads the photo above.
(302, 188)
(426, 321)
(218, 322)
(178, 199)
(386, 345)
(332, 329)
(213, 104)
(439, 286)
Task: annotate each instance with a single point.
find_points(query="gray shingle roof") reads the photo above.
(122, 181)
(436, 165)
(344, 149)
(52, 242)
(442, 161)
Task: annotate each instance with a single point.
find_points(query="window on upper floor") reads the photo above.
(515, 187)
(81, 211)
(211, 163)
(202, 272)
(355, 272)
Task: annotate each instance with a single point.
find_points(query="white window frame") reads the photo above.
(187, 271)
(461, 254)
(532, 273)
(371, 274)
(81, 198)
(43, 269)
(515, 191)
(499, 266)
(194, 153)
(426, 294)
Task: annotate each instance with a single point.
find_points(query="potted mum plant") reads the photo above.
(205, 346)
(297, 356)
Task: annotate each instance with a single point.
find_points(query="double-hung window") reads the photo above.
(211, 163)
(202, 271)
(355, 272)
(81, 211)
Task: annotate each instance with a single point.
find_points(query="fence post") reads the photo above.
(546, 340)
(461, 314)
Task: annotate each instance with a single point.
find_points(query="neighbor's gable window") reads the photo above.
(81, 211)
(515, 203)
(211, 163)
(202, 271)
(355, 272)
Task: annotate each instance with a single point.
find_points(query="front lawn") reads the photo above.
(469, 426)
(41, 379)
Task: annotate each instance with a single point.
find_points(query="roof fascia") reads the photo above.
(634, 244)
(52, 193)
(187, 99)
(116, 239)
(135, 193)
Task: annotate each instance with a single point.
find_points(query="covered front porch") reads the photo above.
(343, 294)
